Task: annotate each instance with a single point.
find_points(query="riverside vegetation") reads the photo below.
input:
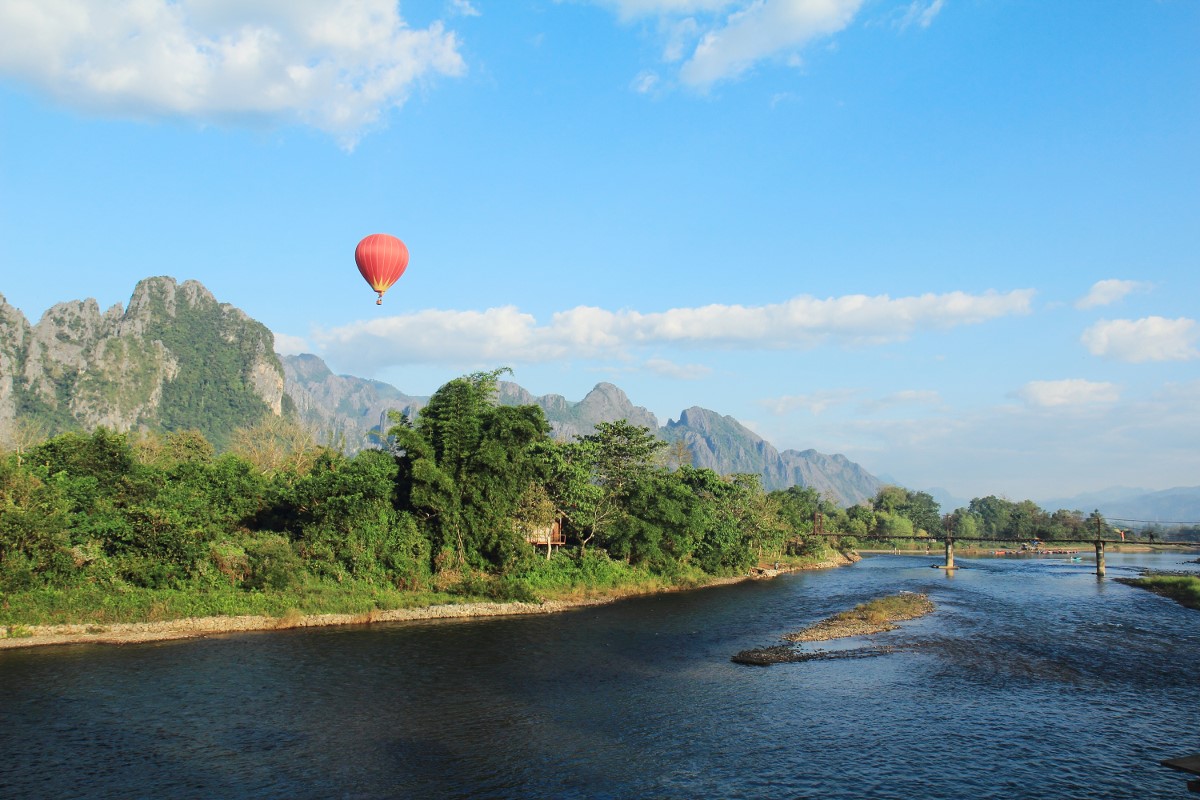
(1183, 589)
(108, 527)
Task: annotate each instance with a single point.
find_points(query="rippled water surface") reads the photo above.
(1032, 679)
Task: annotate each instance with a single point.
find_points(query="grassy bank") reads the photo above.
(1183, 589)
(558, 583)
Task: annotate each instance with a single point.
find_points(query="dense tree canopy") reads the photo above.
(453, 495)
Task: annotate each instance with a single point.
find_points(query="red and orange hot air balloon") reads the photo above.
(381, 259)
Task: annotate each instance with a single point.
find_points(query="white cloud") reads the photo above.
(683, 372)
(906, 397)
(463, 8)
(1021, 451)
(632, 9)
(1146, 339)
(814, 403)
(506, 335)
(920, 13)
(1069, 392)
(1109, 291)
(288, 345)
(720, 39)
(645, 82)
(336, 66)
(760, 30)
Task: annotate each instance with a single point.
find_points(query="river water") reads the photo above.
(1033, 678)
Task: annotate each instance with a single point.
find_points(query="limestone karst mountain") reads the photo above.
(174, 359)
(177, 359)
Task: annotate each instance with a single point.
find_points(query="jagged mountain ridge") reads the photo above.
(177, 359)
(174, 359)
(356, 406)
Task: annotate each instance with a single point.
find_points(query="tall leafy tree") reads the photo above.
(595, 475)
(465, 464)
(733, 525)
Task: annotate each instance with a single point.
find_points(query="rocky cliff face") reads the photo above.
(174, 359)
(14, 341)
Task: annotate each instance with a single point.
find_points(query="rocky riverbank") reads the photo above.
(17, 636)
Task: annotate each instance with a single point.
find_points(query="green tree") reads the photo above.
(733, 519)
(660, 525)
(595, 474)
(34, 538)
(465, 464)
(993, 514)
(923, 512)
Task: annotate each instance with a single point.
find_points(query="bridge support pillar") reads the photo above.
(1100, 558)
(949, 552)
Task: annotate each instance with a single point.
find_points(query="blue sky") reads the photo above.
(956, 240)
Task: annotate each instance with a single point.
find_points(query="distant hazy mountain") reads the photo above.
(1178, 505)
(604, 403)
(725, 445)
(945, 500)
(341, 409)
(354, 407)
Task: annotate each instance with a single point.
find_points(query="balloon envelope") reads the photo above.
(381, 259)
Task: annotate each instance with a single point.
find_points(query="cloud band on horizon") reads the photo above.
(507, 334)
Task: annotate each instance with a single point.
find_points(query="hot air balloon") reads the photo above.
(381, 259)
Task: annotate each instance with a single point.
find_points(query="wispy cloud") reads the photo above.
(335, 66)
(463, 8)
(718, 40)
(904, 398)
(508, 335)
(645, 82)
(670, 369)
(288, 345)
(814, 403)
(762, 30)
(1070, 392)
(1146, 339)
(631, 9)
(1026, 451)
(920, 13)
(1109, 291)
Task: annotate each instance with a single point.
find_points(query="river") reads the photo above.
(1033, 678)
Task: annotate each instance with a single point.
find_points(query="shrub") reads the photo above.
(274, 564)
